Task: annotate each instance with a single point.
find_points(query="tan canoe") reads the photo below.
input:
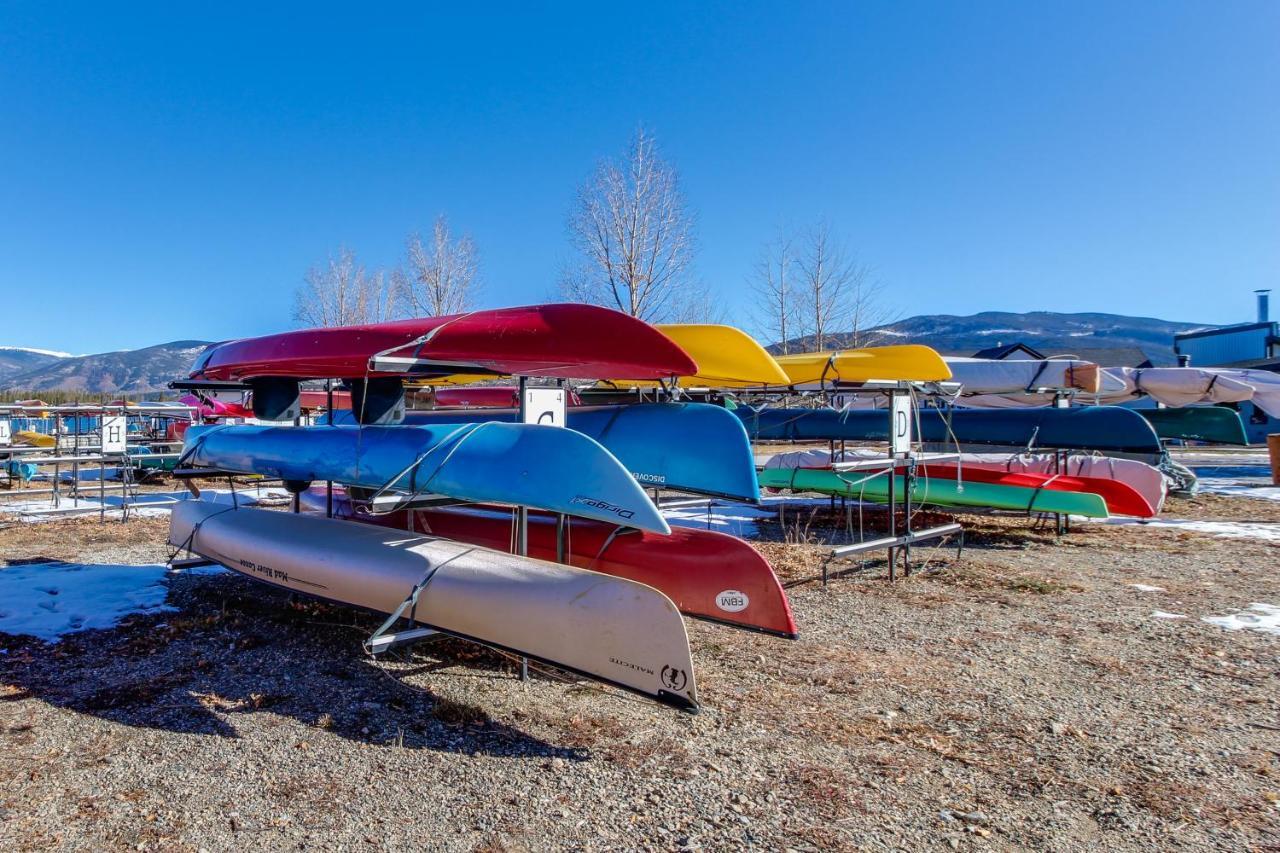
(611, 629)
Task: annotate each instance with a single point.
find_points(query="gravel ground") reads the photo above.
(1022, 696)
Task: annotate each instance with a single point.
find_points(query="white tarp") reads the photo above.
(1172, 386)
(1016, 376)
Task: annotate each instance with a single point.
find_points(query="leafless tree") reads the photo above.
(440, 275)
(842, 299)
(341, 293)
(776, 289)
(634, 236)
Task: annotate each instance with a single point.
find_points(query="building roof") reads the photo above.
(1008, 350)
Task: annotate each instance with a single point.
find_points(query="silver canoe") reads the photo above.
(611, 629)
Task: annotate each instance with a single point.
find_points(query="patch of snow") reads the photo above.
(1160, 614)
(736, 519)
(1268, 532)
(146, 505)
(51, 600)
(1259, 617)
(1142, 587)
(998, 332)
(1080, 334)
(53, 352)
(890, 333)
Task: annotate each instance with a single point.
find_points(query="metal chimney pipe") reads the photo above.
(1263, 300)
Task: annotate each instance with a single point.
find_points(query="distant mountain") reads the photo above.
(1049, 332)
(127, 371)
(15, 360)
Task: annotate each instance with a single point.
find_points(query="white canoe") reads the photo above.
(611, 629)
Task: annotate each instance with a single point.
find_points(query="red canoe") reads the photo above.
(563, 340)
(485, 397)
(1121, 498)
(707, 575)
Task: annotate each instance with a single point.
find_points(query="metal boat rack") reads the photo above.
(78, 444)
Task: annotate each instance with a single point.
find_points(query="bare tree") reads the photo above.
(440, 275)
(341, 293)
(776, 289)
(842, 300)
(634, 236)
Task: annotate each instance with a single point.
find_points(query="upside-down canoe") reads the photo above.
(541, 467)
(1212, 424)
(903, 362)
(873, 486)
(690, 447)
(558, 340)
(1102, 428)
(607, 628)
(709, 575)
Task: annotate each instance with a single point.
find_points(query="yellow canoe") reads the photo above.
(31, 438)
(905, 362)
(727, 357)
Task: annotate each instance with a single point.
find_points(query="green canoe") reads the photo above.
(1214, 424)
(939, 492)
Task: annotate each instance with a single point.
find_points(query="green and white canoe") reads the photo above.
(862, 485)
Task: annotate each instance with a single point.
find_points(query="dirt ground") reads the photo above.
(1021, 696)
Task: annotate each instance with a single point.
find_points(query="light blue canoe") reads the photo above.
(540, 467)
(687, 447)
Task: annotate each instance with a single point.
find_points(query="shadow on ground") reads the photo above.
(236, 647)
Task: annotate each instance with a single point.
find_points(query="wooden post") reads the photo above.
(1273, 448)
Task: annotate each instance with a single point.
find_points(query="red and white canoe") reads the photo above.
(559, 340)
(1121, 498)
(709, 575)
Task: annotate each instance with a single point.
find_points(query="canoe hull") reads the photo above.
(522, 464)
(1102, 428)
(1212, 424)
(564, 340)
(689, 447)
(937, 492)
(610, 629)
(707, 575)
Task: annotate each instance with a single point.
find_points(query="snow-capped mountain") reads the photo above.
(130, 371)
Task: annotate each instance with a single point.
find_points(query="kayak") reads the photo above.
(874, 486)
(688, 447)
(1213, 424)
(1102, 428)
(541, 467)
(559, 340)
(31, 438)
(709, 575)
(610, 629)
(905, 362)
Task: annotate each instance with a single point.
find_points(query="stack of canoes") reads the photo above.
(603, 580)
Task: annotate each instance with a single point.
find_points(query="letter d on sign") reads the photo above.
(900, 425)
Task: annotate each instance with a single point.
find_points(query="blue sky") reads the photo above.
(171, 174)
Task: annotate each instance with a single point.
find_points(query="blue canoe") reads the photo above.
(688, 447)
(1101, 428)
(541, 467)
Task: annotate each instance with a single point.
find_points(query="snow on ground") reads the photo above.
(50, 600)
(147, 504)
(1259, 617)
(1223, 529)
(1142, 587)
(737, 519)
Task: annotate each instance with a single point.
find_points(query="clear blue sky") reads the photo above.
(171, 174)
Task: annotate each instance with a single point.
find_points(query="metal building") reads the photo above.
(1254, 344)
